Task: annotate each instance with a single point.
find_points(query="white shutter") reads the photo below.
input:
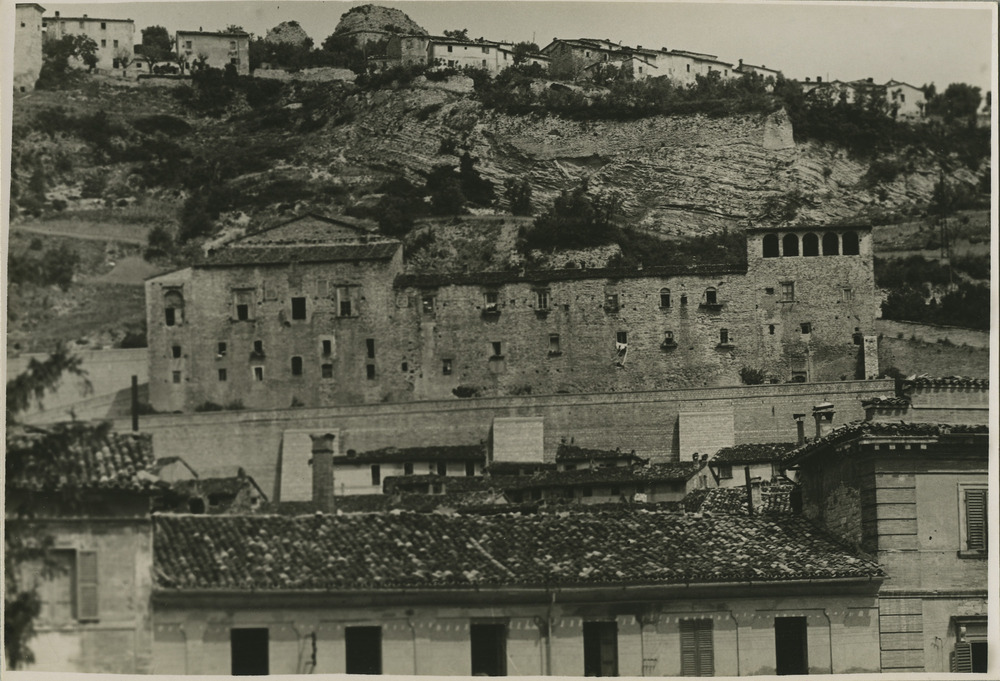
(86, 585)
(961, 659)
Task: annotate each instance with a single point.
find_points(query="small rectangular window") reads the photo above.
(723, 336)
(492, 301)
(175, 351)
(806, 327)
(408, 468)
(344, 307)
(243, 304)
(488, 643)
(220, 350)
(370, 372)
(684, 300)
(725, 472)
(258, 373)
(554, 344)
(470, 468)
(370, 347)
(104, 26)
(847, 294)
(542, 299)
(258, 348)
(376, 474)
(115, 43)
(232, 44)
(327, 370)
(104, 43)
(296, 366)
(298, 308)
(622, 337)
(788, 290)
(187, 44)
(770, 329)
(600, 649)
(327, 347)
(769, 290)
(427, 304)
(497, 347)
(176, 376)
(170, 317)
(665, 298)
(222, 375)
(446, 367)
(611, 301)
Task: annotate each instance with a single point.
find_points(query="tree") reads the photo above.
(575, 220)
(156, 45)
(457, 34)
(56, 56)
(518, 195)
(476, 189)
(522, 50)
(233, 28)
(959, 102)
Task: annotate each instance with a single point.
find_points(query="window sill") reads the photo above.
(711, 307)
(975, 555)
(491, 313)
(542, 312)
(496, 358)
(610, 310)
(668, 346)
(725, 346)
(555, 353)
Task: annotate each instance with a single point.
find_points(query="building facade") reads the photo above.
(215, 50)
(115, 38)
(276, 320)
(28, 37)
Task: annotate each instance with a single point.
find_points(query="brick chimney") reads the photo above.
(823, 413)
(322, 472)
(800, 426)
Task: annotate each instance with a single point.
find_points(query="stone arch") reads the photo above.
(831, 243)
(790, 245)
(173, 306)
(810, 245)
(851, 244)
(771, 246)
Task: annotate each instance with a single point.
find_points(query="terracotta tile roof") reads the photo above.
(774, 498)
(754, 453)
(266, 255)
(414, 550)
(886, 402)
(450, 483)
(416, 454)
(573, 453)
(947, 381)
(860, 429)
(661, 472)
(514, 467)
(545, 276)
(80, 456)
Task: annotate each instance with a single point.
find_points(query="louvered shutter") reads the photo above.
(706, 657)
(697, 655)
(961, 659)
(975, 519)
(86, 585)
(609, 649)
(689, 649)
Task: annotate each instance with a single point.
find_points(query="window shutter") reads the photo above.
(86, 585)
(706, 658)
(697, 654)
(975, 518)
(689, 649)
(961, 660)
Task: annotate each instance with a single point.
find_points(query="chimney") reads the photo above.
(322, 473)
(823, 413)
(800, 426)
(870, 80)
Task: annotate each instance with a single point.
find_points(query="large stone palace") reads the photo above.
(319, 311)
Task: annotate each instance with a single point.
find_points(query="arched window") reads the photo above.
(790, 245)
(831, 244)
(173, 307)
(810, 245)
(770, 245)
(851, 246)
(710, 297)
(664, 297)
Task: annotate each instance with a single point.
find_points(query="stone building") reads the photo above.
(764, 462)
(407, 50)
(911, 490)
(115, 38)
(683, 67)
(27, 45)
(89, 491)
(905, 101)
(477, 54)
(215, 50)
(318, 312)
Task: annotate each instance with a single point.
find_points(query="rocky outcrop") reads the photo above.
(372, 18)
(287, 32)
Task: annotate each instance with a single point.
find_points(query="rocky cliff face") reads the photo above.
(375, 18)
(288, 32)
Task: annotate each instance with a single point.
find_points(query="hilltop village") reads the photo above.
(332, 454)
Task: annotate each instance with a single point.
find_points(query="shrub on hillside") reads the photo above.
(575, 220)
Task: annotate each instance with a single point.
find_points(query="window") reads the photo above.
(104, 26)
(542, 299)
(723, 336)
(326, 370)
(769, 290)
(442, 468)
(258, 348)
(725, 472)
(664, 297)
(470, 469)
(87, 605)
(711, 297)
(790, 646)
(173, 307)
(554, 344)
(976, 523)
(810, 245)
(851, 245)
(790, 245)
(446, 367)
(175, 351)
(600, 649)
(831, 244)
(847, 294)
(622, 337)
(488, 644)
(370, 347)
(492, 301)
(176, 376)
(363, 650)
(806, 327)
(187, 44)
(697, 655)
(486, 50)
(243, 304)
(427, 303)
(497, 348)
(220, 350)
(376, 474)
(232, 44)
(115, 44)
(248, 652)
(688, 68)
(787, 291)
(370, 372)
(258, 373)
(408, 468)
(296, 366)
(298, 308)
(449, 48)
(799, 376)
(104, 43)
(684, 300)
(222, 375)
(345, 302)
(770, 329)
(327, 347)
(971, 649)
(611, 302)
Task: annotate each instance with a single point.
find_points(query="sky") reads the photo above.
(916, 43)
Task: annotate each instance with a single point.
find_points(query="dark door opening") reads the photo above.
(364, 650)
(489, 649)
(790, 646)
(980, 662)
(600, 649)
(249, 652)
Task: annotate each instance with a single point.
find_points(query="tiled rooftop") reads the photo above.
(886, 402)
(413, 550)
(567, 452)
(660, 472)
(754, 453)
(415, 454)
(266, 255)
(80, 456)
(774, 498)
(545, 276)
(948, 382)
